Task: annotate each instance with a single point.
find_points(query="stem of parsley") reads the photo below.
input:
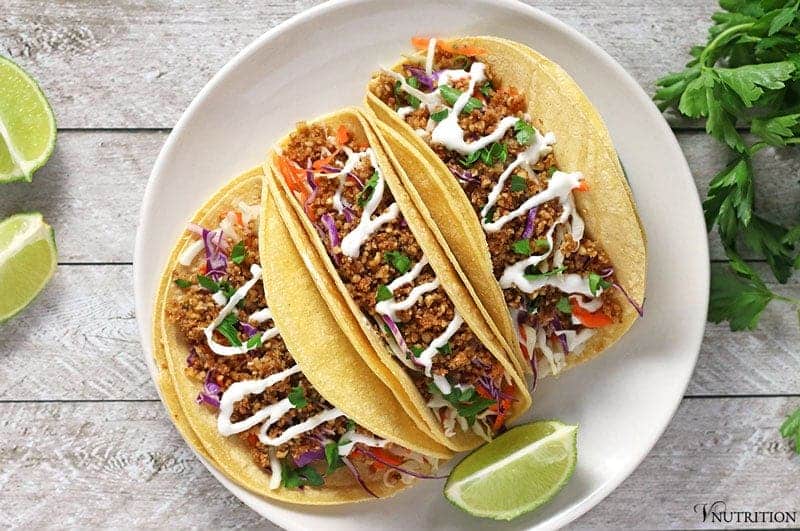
(747, 75)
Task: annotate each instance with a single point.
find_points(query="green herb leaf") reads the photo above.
(332, 456)
(542, 244)
(254, 341)
(522, 247)
(791, 429)
(563, 305)
(775, 131)
(486, 89)
(366, 193)
(526, 133)
(737, 298)
(238, 253)
(228, 329)
(551, 170)
(183, 284)
(449, 94)
(472, 104)
(447, 348)
(400, 261)
(749, 81)
(471, 159)
(417, 351)
(597, 282)
(467, 403)
(537, 276)
(297, 397)
(206, 283)
(438, 116)
(293, 478)
(489, 215)
(518, 183)
(383, 293)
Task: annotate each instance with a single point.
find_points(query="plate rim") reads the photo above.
(141, 297)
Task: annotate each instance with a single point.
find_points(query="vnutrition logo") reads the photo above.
(717, 513)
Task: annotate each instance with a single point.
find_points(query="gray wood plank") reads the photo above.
(123, 465)
(83, 324)
(92, 188)
(110, 63)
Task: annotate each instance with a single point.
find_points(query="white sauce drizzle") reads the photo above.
(219, 298)
(351, 243)
(264, 314)
(426, 357)
(356, 438)
(391, 306)
(277, 471)
(429, 58)
(187, 256)
(405, 111)
(353, 158)
(442, 383)
(290, 433)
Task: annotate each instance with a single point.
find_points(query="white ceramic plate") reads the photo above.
(321, 60)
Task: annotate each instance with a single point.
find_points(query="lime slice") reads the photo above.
(28, 259)
(515, 473)
(27, 124)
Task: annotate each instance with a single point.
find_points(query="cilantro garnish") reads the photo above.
(412, 100)
(447, 348)
(383, 293)
(228, 329)
(537, 276)
(351, 425)
(522, 247)
(597, 282)
(791, 429)
(525, 132)
(468, 403)
(332, 456)
(400, 261)
(293, 478)
(417, 351)
(551, 170)
(183, 284)
(489, 215)
(369, 187)
(472, 104)
(254, 341)
(542, 244)
(438, 116)
(207, 283)
(238, 253)
(450, 95)
(563, 305)
(227, 289)
(518, 183)
(297, 397)
(496, 152)
(745, 77)
(487, 88)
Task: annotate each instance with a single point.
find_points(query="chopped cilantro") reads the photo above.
(238, 253)
(526, 134)
(227, 289)
(351, 425)
(471, 159)
(489, 216)
(467, 402)
(332, 456)
(228, 329)
(369, 187)
(497, 152)
(449, 94)
(417, 351)
(487, 88)
(254, 341)
(542, 244)
(596, 281)
(412, 100)
(537, 276)
(551, 170)
(472, 104)
(522, 247)
(398, 260)
(438, 116)
(297, 397)
(207, 283)
(383, 294)
(563, 305)
(447, 348)
(183, 284)
(518, 183)
(293, 478)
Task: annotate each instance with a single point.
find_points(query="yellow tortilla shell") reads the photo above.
(556, 103)
(358, 327)
(232, 456)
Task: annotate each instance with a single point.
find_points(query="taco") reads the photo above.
(268, 414)
(389, 282)
(553, 246)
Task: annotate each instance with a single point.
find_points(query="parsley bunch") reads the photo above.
(746, 77)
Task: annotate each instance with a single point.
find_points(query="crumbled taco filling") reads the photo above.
(382, 265)
(507, 169)
(205, 287)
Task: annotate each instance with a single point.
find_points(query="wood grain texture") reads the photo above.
(123, 465)
(76, 343)
(82, 52)
(91, 190)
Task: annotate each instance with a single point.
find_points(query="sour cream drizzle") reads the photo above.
(353, 158)
(351, 243)
(187, 256)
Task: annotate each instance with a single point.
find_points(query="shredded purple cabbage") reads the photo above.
(353, 470)
(464, 175)
(481, 364)
(396, 333)
(356, 179)
(605, 273)
(216, 261)
(349, 215)
(528, 232)
(639, 309)
(248, 329)
(309, 457)
(191, 357)
(556, 325)
(382, 461)
(534, 364)
(333, 234)
(426, 81)
(211, 392)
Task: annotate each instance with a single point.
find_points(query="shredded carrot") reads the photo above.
(500, 408)
(203, 269)
(318, 164)
(587, 318)
(295, 177)
(421, 43)
(583, 187)
(239, 219)
(342, 136)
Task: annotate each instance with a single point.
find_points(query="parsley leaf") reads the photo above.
(776, 130)
(563, 305)
(738, 299)
(207, 283)
(467, 403)
(537, 276)
(522, 247)
(518, 183)
(293, 478)
(366, 193)
(525, 132)
(447, 348)
(597, 282)
(332, 456)
(438, 116)
(398, 260)
(791, 429)
(238, 253)
(383, 293)
(297, 397)
(254, 341)
(228, 329)
(487, 88)
(183, 284)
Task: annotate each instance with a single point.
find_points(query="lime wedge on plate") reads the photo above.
(27, 124)
(28, 259)
(515, 473)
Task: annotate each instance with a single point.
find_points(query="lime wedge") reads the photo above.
(27, 124)
(515, 473)
(28, 259)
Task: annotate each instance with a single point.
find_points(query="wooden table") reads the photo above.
(84, 440)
